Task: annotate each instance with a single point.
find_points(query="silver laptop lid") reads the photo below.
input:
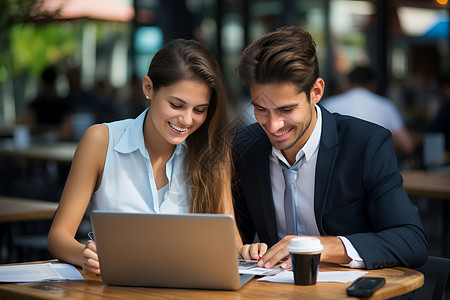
(181, 251)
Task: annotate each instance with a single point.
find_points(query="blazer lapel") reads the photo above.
(328, 149)
(267, 200)
(262, 188)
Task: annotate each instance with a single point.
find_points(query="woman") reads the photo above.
(173, 158)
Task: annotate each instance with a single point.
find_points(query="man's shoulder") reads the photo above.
(358, 139)
(250, 138)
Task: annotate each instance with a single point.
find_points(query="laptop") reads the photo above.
(159, 250)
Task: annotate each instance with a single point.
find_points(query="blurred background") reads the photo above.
(65, 65)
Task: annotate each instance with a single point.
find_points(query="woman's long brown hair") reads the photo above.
(208, 163)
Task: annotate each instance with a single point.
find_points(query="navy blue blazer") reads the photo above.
(358, 192)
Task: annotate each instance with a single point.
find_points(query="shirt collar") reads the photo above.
(312, 144)
(133, 138)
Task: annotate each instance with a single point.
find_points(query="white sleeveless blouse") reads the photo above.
(128, 183)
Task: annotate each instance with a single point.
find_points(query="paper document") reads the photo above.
(39, 272)
(251, 267)
(287, 276)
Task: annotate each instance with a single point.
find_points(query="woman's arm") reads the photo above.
(84, 178)
(248, 251)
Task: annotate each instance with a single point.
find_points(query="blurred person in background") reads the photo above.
(88, 106)
(362, 102)
(47, 115)
(441, 123)
(131, 101)
(108, 106)
(80, 99)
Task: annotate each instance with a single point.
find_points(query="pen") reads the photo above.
(91, 236)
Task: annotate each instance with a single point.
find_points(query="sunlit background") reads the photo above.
(112, 40)
(111, 43)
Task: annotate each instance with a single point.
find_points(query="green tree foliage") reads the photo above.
(29, 39)
(36, 46)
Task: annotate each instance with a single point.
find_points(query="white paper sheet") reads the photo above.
(287, 276)
(251, 267)
(39, 272)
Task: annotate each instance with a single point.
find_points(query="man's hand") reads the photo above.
(333, 252)
(276, 253)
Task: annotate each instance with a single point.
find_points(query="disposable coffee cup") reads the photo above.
(305, 257)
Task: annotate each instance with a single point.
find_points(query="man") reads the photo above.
(348, 192)
(361, 102)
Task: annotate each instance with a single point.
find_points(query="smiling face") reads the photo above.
(179, 109)
(287, 117)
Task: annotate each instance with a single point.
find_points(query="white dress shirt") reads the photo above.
(305, 191)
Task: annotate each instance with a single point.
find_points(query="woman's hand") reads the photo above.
(252, 251)
(90, 262)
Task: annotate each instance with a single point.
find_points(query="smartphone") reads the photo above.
(365, 286)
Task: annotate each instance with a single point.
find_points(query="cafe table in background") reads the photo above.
(14, 210)
(431, 184)
(427, 183)
(398, 281)
(61, 152)
(37, 170)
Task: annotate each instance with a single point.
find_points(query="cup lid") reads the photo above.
(304, 244)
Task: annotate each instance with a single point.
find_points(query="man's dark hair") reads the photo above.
(287, 55)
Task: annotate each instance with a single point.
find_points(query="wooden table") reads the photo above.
(398, 281)
(14, 209)
(18, 209)
(428, 184)
(431, 184)
(43, 167)
(58, 152)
